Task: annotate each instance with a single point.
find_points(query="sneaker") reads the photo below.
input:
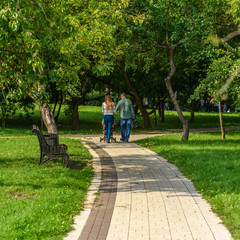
(122, 140)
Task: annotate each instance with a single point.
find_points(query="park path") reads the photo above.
(142, 196)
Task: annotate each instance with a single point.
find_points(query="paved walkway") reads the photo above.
(142, 196)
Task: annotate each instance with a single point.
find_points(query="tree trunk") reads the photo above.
(46, 112)
(161, 110)
(75, 115)
(48, 118)
(55, 104)
(155, 119)
(161, 107)
(192, 111)
(146, 120)
(59, 109)
(3, 117)
(173, 98)
(76, 102)
(221, 121)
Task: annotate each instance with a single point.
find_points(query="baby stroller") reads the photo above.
(104, 138)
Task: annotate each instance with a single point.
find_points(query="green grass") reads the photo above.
(39, 202)
(90, 121)
(91, 117)
(212, 164)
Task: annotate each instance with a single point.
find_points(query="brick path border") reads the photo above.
(98, 222)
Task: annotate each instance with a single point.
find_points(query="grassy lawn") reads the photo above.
(39, 202)
(91, 117)
(212, 164)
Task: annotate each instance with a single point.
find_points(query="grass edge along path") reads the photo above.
(213, 166)
(40, 202)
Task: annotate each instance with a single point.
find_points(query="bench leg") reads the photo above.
(65, 159)
(43, 162)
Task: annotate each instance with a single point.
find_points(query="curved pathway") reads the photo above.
(142, 196)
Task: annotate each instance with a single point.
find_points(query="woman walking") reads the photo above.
(108, 110)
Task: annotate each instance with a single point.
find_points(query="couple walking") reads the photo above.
(126, 115)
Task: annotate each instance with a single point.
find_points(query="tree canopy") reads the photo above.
(149, 48)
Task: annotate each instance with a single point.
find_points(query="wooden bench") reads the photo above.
(51, 152)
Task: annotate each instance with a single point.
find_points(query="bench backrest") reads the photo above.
(42, 141)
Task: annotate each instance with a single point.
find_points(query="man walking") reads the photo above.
(126, 115)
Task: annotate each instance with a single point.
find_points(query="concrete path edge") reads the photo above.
(81, 219)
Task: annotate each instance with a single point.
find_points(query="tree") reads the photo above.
(58, 41)
(222, 74)
(172, 30)
(28, 44)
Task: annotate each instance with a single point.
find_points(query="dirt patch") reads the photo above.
(21, 195)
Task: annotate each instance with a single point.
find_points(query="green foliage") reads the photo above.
(212, 165)
(222, 74)
(234, 10)
(9, 106)
(216, 83)
(39, 202)
(55, 43)
(43, 42)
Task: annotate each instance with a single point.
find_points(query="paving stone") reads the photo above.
(152, 200)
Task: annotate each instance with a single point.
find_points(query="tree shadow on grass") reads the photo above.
(75, 165)
(25, 185)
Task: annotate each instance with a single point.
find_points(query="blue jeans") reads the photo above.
(108, 121)
(125, 125)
